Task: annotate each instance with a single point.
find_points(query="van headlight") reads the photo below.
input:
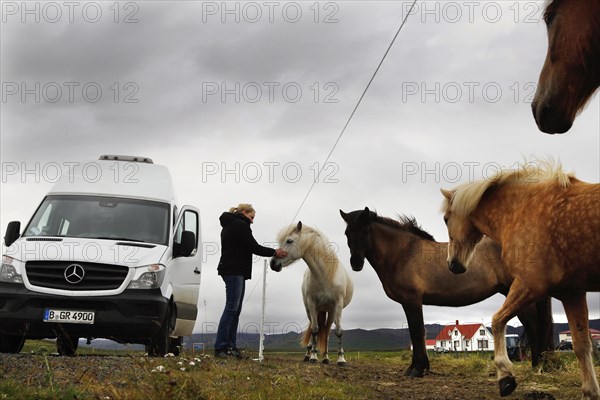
(148, 277)
(8, 272)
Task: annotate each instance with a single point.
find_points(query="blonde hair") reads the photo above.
(242, 208)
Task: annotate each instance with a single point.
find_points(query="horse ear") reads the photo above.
(344, 216)
(364, 216)
(299, 226)
(447, 194)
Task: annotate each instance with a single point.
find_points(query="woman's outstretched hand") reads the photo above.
(280, 253)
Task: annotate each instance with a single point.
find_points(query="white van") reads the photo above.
(107, 254)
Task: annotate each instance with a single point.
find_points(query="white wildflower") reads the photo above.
(192, 363)
(182, 369)
(159, 368)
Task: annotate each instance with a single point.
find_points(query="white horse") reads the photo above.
(326, 288)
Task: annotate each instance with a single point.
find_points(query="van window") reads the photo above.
(189, 222)
(99, 217)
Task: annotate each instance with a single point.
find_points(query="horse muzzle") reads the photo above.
(357, 263)
(456, 267)
(275, 264)
(550, 120)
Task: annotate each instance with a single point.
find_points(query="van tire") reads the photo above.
(11, 343)
(160, 344)
(175, 345)
(67, 345)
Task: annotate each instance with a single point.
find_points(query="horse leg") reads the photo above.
(537, 321)
(341, 362)
(420, 361)
(314, 327)
(519, 297)
(577, 314)
(323, 325)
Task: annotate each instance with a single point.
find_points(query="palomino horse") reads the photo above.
(548, 225)
(571, 72)
(326, 289)
(412, 268)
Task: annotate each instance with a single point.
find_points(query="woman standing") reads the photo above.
(235, 266)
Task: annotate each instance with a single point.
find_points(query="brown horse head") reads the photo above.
(571, 72)
(357, 234)
(463, 235)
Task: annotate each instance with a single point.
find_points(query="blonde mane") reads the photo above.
(466, 197)
(312, 241)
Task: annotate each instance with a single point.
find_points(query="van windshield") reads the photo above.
(100, 217)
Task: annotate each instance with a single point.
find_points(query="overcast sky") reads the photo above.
(244, 101)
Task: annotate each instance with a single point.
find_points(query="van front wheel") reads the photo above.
(67, 345)
(11, 344)
(160, 344)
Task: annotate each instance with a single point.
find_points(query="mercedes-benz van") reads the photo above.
(107, 254)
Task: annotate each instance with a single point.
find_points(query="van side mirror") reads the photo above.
(12, 232)
(188, 244)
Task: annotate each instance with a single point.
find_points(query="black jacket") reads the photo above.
(238, 245)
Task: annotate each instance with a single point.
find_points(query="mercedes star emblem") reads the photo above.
(74, 273)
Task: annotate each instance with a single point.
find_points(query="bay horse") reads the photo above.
(412, 268)
(547, 223)
(571, 71)
(326, 289)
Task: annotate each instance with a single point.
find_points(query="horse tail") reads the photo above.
(324, 325)
(306, 336)
(323, 333)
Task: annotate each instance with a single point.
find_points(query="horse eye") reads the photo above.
(289, 241)
(446, 221)
(548, 18)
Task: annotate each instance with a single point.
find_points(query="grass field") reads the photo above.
(38, 374)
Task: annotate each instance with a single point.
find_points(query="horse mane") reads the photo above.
(404, 223)
(466, 197)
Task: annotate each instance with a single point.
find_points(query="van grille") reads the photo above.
(51, 274)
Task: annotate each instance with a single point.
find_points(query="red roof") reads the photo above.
(466, 330)
(430, 342)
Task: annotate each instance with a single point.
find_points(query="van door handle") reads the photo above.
(196, 271)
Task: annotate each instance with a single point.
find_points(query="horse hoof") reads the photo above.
(341, 363)
(507, 385)
(325, 361)
(408, 371)
(306, 358)
(415, 373)
(312, 361)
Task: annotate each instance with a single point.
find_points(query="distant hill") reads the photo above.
(354, 339)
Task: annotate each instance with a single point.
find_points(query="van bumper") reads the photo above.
(132, 316)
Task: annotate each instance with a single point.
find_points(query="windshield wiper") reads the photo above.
(119, 238)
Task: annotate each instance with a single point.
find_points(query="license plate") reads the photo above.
(69, 316)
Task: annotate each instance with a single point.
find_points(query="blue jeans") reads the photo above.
(235, 286)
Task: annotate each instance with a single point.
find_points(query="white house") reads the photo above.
(565, 336)
(465, 337)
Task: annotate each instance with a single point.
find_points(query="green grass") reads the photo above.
(369, 375)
